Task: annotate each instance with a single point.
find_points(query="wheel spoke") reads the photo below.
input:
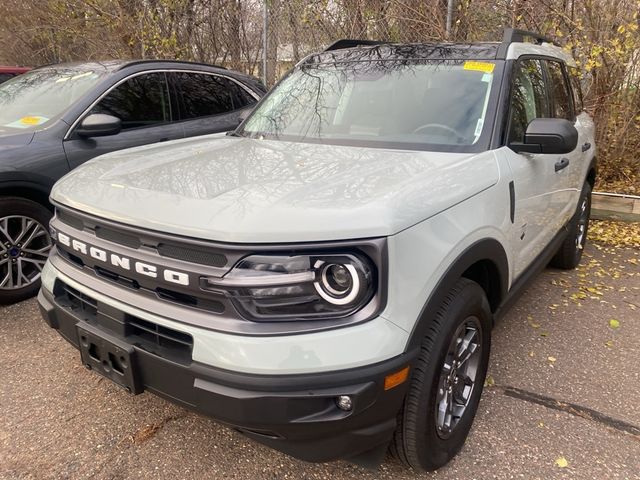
(467, 347)
(41, 252)
(4, 230)
(39, 264)
(37, 232)
(7, 280)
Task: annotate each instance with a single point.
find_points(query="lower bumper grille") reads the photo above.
(149, 336)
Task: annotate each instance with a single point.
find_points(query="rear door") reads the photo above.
(209, 103)
(568, 178)
(536, 212)
(145, 108)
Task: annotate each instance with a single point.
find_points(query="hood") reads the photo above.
(11, 140)
(243, 190)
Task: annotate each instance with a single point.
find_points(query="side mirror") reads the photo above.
(99, 125)
(548, 135)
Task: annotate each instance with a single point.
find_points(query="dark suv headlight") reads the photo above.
(280, 287)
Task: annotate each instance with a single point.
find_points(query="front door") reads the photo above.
(143, 104)
(538, 211)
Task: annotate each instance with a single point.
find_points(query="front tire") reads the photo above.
(570, 252)
(447, 381)
(24, 247)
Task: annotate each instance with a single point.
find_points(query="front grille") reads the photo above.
(120, 238)
(192, 255)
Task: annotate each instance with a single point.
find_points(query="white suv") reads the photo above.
(325, 279)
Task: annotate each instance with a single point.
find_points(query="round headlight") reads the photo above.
(338, 283)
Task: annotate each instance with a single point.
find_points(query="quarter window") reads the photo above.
(141, 101)
(528, 98)
(560, 91)
(206, 95)
(576, 89)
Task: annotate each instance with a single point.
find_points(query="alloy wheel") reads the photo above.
(24, 247)
(583, 221)
(458, 376)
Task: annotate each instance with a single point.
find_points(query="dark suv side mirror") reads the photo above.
(548, 135)
(99, 125)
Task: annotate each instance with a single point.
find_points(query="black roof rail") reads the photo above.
(514, 35)
(350, 43)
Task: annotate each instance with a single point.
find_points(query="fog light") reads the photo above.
(344, 403)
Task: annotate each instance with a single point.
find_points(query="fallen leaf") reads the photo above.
(609, 343)
(613, 323)
(489, 382)
(562, 462)
(552, 359)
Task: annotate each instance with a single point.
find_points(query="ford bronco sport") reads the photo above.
(325, 279)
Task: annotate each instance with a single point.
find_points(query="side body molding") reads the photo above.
(487, 250)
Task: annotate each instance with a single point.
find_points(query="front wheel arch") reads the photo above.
(486, 255)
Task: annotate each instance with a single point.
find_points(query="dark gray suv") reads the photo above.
(54, 118)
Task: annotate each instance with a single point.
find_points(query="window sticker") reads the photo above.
(26, 122)
(479, 66)
(479, 127)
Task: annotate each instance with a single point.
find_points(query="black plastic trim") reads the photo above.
(512, 201)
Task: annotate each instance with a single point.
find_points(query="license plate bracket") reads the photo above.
(109, 356)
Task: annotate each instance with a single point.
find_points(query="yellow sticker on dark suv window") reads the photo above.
(479, 66)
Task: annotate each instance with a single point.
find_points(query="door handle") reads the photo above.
(586, 146)
(563, 163)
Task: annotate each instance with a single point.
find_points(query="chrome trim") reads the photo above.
(263, 280)
(162, 70)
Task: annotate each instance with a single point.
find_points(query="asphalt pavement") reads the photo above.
(562, 400)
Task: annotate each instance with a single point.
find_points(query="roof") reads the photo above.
(116, 65)
(514, 44)
(408, 51)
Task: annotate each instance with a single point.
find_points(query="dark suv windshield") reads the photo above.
(29, 101)
(397, 104)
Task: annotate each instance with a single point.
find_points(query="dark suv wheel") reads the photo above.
(24, 247)
(447, 381)
(570, 252)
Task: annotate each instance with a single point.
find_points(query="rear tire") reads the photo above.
(423, 440)
(24, 247)
(570, 252)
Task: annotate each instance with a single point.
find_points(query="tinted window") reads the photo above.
(560, 91)
(528, 98)
(576, 89)
(141, 101)
(205, 95)
(5, 76)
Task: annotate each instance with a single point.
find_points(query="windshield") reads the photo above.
(29, 101)
(440, 105)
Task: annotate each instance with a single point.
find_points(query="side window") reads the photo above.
(205, 95)
(5, 76)
(576, 88)
(559, 90)
(141, 101)
(528, 98)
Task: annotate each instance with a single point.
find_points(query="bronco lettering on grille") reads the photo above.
(125, 263)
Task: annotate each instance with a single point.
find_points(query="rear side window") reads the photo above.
(528, 98)
(206, 95)
(141, 101)
(559, 90)
(576, 89)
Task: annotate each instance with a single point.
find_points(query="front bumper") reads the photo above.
(294, 413)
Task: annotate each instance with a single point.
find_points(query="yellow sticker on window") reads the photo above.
(32, 120)
(479, 66)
